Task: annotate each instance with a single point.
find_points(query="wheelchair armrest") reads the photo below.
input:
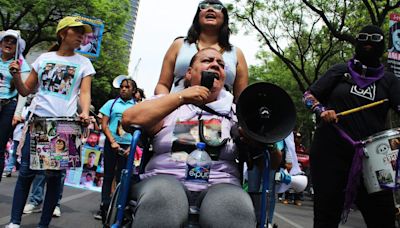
(132, 128)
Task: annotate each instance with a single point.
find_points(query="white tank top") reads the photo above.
(187, 51)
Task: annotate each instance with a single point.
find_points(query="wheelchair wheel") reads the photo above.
(112, 208)
(112, 211)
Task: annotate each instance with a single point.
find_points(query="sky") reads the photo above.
(158, 23)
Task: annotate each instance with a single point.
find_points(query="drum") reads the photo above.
(55, 143)
(379, 162)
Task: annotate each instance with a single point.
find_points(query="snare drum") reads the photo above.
(379, 162)
(55, 143)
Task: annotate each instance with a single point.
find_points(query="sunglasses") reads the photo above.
(206, 5)
(372, 37)
(60, 142)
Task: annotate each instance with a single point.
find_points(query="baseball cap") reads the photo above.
(10, 32)
(16, 35)
(72, 22)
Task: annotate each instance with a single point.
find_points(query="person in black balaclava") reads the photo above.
(370, 46)
(336, 151)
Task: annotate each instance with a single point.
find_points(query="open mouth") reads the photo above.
(210, 16)
(7, 47)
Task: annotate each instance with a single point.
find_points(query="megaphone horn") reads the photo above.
(297, 182)
(266, 112)
(117, 81)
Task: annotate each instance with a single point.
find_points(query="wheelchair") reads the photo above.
(258, 98)
(120, 213)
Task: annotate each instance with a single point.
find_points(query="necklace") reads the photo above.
(220, 50)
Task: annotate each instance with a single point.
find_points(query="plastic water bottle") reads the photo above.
(198, 165)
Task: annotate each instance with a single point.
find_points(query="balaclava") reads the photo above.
(370, 56)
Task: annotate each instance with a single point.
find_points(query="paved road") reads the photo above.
(291, 216)
(78, 206)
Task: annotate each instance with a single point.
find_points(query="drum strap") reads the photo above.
(355, 173)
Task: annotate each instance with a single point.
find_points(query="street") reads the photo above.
(78, 207)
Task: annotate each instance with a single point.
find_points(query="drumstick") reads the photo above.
(344, 113)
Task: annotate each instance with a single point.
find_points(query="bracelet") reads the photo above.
(180, 100)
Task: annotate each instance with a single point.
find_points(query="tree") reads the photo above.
(306, 37)
(37, 21)
(274, 71)
(375, 11)
(317, 31)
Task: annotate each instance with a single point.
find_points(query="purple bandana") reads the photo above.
(355, 173)
(372, 74)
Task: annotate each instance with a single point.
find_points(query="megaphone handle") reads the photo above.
(265, 184)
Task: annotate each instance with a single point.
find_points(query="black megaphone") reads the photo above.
(266, 112)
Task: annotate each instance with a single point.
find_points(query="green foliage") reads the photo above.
(275, 72)
(37, 20)
(303, 38)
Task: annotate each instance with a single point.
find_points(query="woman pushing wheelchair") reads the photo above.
(164, 195)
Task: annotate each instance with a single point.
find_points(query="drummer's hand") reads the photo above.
(14, 68)
(84, 119)
(195, 95)
(329, 116)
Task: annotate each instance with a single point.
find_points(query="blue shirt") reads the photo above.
(114, 124)
(5, 78)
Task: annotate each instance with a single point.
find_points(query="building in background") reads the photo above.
(131, 24)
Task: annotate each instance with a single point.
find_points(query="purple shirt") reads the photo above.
(225, 170)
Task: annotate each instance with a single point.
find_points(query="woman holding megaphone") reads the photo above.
(336, 150)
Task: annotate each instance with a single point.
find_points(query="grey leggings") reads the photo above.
(163, 202)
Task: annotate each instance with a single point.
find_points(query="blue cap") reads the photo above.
(201, 145)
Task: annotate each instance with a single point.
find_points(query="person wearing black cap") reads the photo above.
(336, 180)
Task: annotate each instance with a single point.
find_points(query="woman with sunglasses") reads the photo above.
(49, 104)
(210, 28)
(11, 48)
(362, 80)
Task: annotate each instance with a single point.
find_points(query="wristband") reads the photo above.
(318, 109)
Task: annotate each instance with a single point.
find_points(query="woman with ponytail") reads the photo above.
(49, 104)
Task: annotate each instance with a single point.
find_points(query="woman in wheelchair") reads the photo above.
(164, 195)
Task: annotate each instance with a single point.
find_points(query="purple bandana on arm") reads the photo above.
(354, 175)
(372, 74)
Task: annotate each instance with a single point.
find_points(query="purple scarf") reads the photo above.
(372, 74)
(355, 173)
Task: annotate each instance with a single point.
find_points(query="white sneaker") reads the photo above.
(57, 212)
(30, 208)
(12, 225)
